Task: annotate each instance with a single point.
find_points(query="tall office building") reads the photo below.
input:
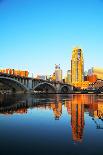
(58, 73)
(68, 77)
(77, 66)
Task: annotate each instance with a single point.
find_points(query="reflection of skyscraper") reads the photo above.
(77, 66)
(77, 121)
(76, 109)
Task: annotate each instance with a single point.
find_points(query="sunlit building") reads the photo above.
(14, 72)
(68, 77)
(58, 73)
(81, 85)
(92, 78)
(98, 72)
(53, 78)
(77, 66)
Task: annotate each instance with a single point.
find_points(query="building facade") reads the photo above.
(14, 72)
(43, 77)
(68, 77)
(58, 73)
(92, 78)
(77, 66)
(98, 72)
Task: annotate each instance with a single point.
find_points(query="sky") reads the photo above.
(37, 34)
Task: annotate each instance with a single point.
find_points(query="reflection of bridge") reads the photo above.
(24, 84)
(76, 106)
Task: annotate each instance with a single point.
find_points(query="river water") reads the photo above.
(51, 124)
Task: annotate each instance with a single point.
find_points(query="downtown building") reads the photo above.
(68, 77)
(14, 72)
(77, 69)
(42, 77)
(77, 66)
(58, 73)
(98, 72)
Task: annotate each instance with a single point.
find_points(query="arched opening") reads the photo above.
(11, 85)
(45, 88)
(65, 89)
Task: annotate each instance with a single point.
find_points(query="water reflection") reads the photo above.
(76, 106)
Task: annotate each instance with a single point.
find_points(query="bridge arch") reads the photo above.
(45, 87)
(65, 89)
(13, 84)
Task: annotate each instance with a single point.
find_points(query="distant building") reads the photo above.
(43, 77)
(81, 85)
(98, 84)
(98, 72)
(77, 66)
(58, 73)
(49, 77)
(85, 73)
(85, 78)
(68, 77)
(53, 78)
(14, 72)
(92, 78)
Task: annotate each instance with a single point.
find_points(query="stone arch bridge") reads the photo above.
(23, 84)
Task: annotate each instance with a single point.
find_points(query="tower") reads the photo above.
(58, 73)
(77, 66)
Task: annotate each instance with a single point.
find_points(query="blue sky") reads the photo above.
(37, 34)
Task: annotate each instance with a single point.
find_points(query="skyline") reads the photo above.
(36, 35)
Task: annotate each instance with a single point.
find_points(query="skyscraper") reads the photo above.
(58, 73)
(68, 77)
(77, 66)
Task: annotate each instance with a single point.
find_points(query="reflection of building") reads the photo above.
(58, 73)
(77, 118)
(57, 110)
(68, 105)
(96, 110)
(75, 108)
(76, 105)
(98, 72)
(77, 66)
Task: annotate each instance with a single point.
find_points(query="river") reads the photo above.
(51, 124)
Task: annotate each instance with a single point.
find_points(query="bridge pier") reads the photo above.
(30, 84)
